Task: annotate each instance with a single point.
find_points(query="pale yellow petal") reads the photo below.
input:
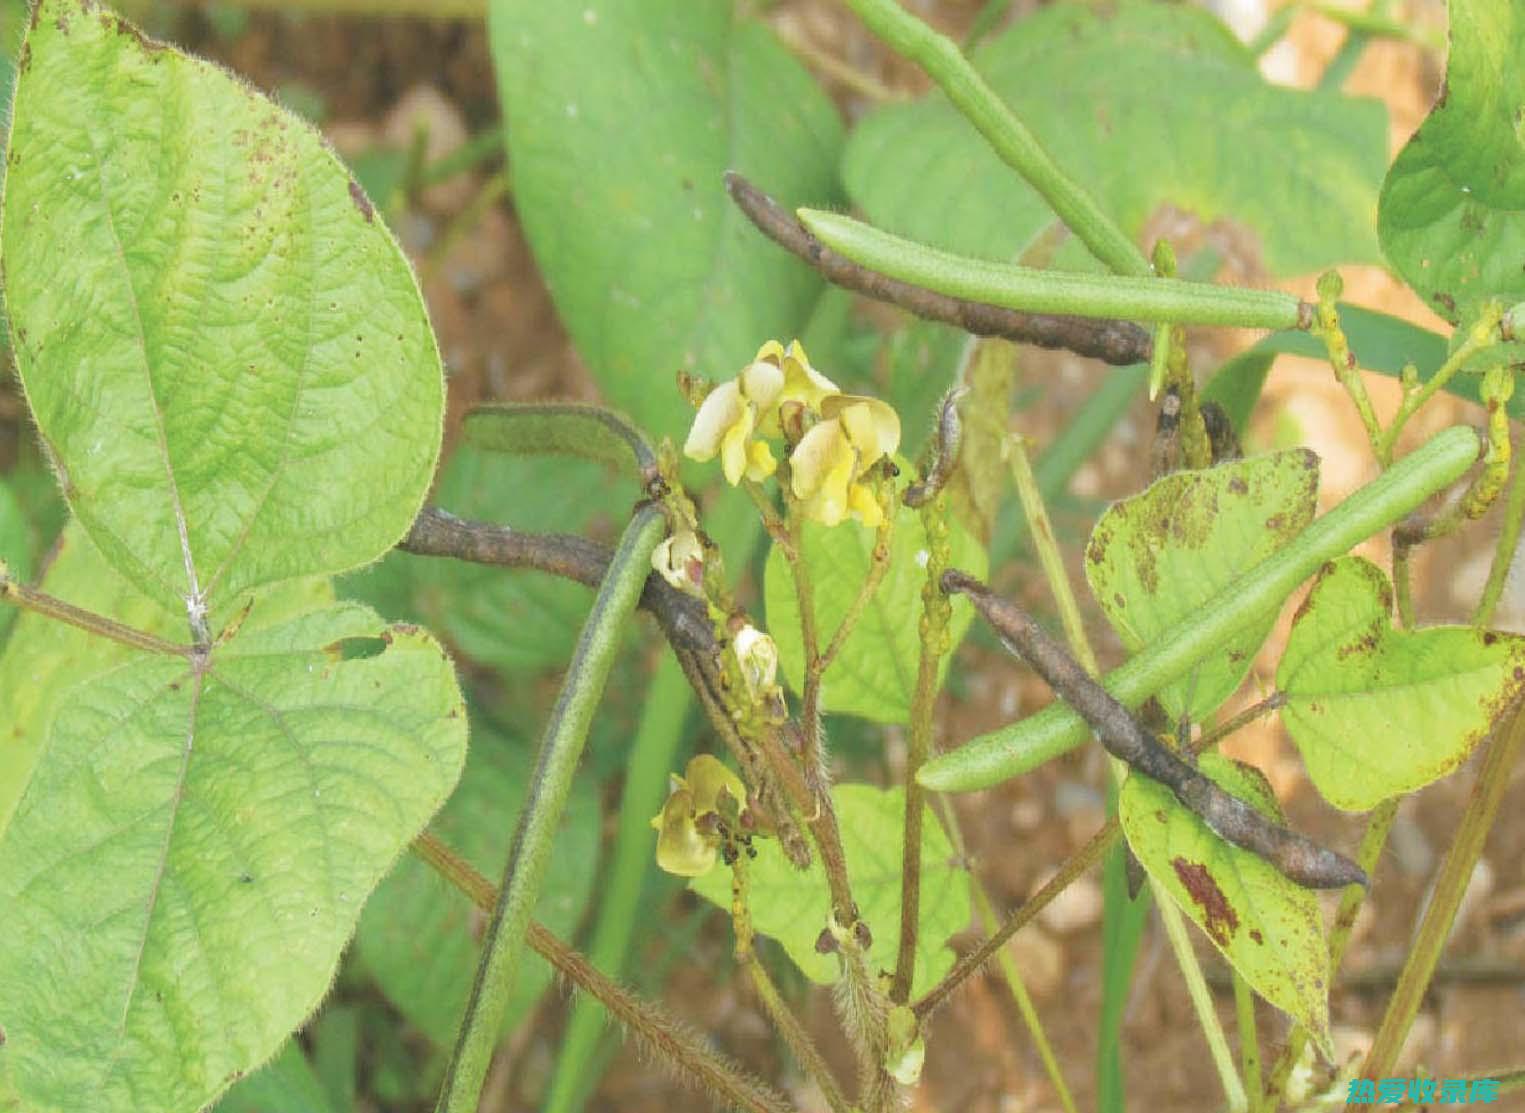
(761, 383)
(733, 446)
(802, 382)
(720, 410)
(681, 849)
(872, 425)
(829, 506)
(819, 449)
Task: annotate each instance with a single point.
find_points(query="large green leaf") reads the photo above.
(220, 341)
(622, 116)
(509, 618)
(1268, 927)
(421, 939)
(1156, 558)
(194, 848)
(1147, 104)
(1452, 211)
(793, 906)
(874, 675)
(1378, 712)
(230, 361)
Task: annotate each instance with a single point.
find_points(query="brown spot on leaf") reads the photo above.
(1489, 637)
(1221, 920)
(1238, 486)
(1447, 301)
(1255, 935)
(362, 202)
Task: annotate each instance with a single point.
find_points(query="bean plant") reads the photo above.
(231, 747)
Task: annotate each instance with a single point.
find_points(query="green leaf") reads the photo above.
(792, 906)
(874, 675)
(286, 1084)
(1268, 927)
(1156, 558)
(1148, 104)
(223, 346)
(1452, 211)
(1378, 712)
(508, 618)
(194, 848)
(420, 938)
(622, 117)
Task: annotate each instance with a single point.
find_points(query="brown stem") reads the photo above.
(1295, 856)
(677, 1046)
(1082, 860)
(1120, 343)
(437, 532)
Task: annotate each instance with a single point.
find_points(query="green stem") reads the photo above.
(1474, 341)
(1042, 531)
(1202, 1003)
(1008, 136)
(565, 734)
(1015, 749)
(1503, 553)
(1450, 885)
(1071, 293)
(1249, 1039)
(668, 700)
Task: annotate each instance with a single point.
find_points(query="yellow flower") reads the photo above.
(702, 805)
(802, 383)
(830, 461)
(727, 418)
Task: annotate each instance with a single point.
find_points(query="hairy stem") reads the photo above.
(1053, 291)
(670, 1041)
(29, 599)
(565, 734)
